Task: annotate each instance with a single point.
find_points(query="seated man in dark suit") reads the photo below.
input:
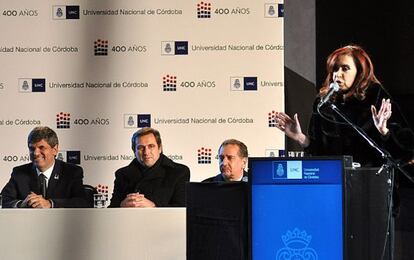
(45, 182)
(233, 157)
(151, 179)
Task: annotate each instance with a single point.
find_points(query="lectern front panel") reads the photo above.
(296, 208)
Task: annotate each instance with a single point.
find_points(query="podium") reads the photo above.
(297, 207)
(367, 206)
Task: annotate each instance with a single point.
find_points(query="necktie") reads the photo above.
(42, 182)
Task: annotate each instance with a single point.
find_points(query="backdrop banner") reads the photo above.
(96, 71)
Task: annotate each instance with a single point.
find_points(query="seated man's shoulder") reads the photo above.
(216, 178)
(22, 168)
(211, 179)
(127, 168)
(70, 167)
(176, 167)
(180, 166)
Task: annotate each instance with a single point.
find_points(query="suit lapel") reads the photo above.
(54, 179)
(34, 181)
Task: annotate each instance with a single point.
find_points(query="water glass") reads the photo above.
(99, 200)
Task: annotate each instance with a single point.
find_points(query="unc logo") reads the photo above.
(296, 246)
(294, 169)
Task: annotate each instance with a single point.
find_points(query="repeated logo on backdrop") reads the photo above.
(27, 85)
(130, 121)
(204, 10)
(274, 10)
(271, 118)
(23, 12)
(63, 120)
(204, 155)
(169, 83)
(144, 120)
(63, 12)
(100, 47)
(174, 48)
(137, 120)
(69, 156)
(243, 83)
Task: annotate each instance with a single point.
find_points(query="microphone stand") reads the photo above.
(391, 162)
(390, 165)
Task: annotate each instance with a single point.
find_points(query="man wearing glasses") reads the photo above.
(233, 156)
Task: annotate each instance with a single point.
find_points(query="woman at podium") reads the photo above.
(352, 86)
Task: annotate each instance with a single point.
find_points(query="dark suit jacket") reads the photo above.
(219, 178)
(65, 186)
(163, 183)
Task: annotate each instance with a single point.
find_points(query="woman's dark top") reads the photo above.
(335, 137)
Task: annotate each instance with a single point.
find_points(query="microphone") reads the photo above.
(333, 88)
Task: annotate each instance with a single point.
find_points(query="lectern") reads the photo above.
(297, 208)
(291, 208)
(318, 208)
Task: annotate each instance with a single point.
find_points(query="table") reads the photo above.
(62, 234)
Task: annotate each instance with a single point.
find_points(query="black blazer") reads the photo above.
(219, 178)
(334, 137)
(65, 186)
(163, 184)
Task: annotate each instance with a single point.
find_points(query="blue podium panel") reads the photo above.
(296, 208)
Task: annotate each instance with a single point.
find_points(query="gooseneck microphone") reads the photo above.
(333, 88)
